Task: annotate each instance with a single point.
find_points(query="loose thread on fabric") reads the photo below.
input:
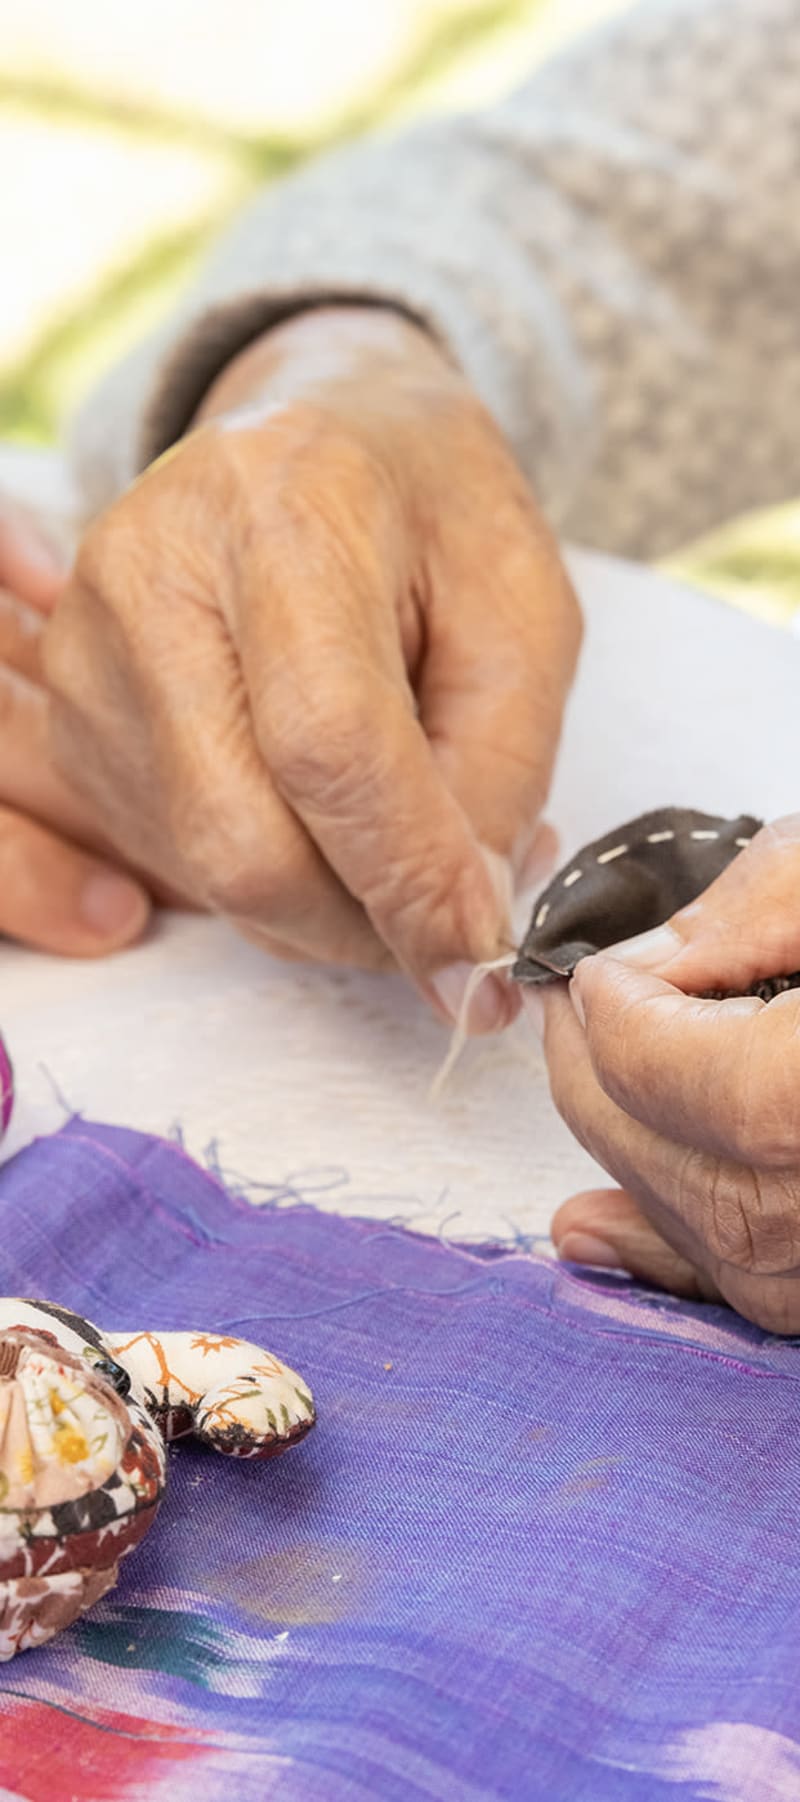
(460, 1033)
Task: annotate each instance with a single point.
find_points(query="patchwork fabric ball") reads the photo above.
(82, 1473)
(84, 1421)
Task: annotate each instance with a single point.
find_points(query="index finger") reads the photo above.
(723, 1076)
(335, 719)
(501, 648)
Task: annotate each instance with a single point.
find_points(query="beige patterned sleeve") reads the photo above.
(613, 254)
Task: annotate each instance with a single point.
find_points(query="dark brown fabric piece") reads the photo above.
(626, 883)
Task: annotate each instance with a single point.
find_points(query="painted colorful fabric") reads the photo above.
(545, 1544)
(82, 1457)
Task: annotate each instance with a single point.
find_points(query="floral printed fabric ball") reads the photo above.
(82, 1472)
(84, 1420)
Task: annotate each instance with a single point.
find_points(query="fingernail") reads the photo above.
(489, 1005)
(533, 1004)
(584, 1248)
(575, 998)
(111, 904)
(649, 950)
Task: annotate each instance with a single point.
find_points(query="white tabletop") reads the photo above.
(317, 1082)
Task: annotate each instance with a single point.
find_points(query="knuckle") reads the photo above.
(427, 897)
(766, 1136)
(732, 1215)
(154, 540)
(409, 893)
(765, 1100)
(241, 889)
(227, 863)
(226, 874)
(749, 1220)
(325, 745)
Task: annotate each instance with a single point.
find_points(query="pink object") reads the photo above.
(6, 1087)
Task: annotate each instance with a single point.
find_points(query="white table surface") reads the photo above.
(317, 1082)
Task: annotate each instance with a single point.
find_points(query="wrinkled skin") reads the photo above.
(328, 640)
(693, 1106)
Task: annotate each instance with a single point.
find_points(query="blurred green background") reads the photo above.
(128, 134)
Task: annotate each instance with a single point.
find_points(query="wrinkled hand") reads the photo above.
(330, 640)
(693, 1106)
(53, 894)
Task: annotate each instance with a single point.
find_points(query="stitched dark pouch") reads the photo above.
(626, 883)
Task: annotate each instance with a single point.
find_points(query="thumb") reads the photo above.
(742, 930)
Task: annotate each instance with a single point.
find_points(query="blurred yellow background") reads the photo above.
(128, 134)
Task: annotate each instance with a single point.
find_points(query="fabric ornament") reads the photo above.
(85, 1418)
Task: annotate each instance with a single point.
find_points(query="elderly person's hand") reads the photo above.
(693, 1105)
(310, 669)
(53, 893)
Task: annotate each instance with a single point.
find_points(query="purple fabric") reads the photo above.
(545, 1543)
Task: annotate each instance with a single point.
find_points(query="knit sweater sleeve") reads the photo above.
(612, 254)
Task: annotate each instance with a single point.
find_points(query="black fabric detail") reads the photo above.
(75, 1322)
(637, 889)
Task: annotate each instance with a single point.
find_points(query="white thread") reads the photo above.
(460, 1034)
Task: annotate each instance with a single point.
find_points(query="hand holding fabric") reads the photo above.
(692, 1104)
